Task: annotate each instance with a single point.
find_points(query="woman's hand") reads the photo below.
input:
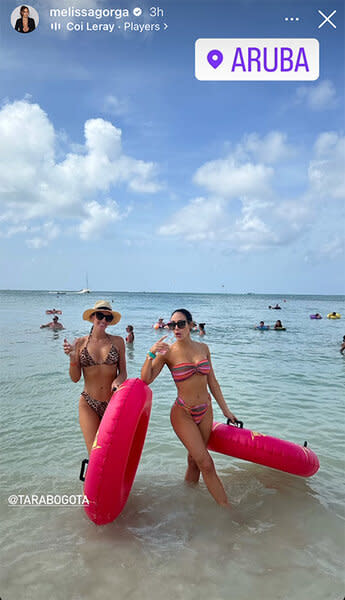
(228, 415)
(69, 349)
(160, 347)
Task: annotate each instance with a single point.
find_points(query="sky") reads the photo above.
(117, 164)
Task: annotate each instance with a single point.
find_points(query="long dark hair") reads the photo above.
(22, 8)
(185, 312)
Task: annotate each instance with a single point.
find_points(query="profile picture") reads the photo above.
(24, 19)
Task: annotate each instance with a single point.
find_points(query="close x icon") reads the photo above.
(327, 19)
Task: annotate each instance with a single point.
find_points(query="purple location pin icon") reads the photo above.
(215, 58)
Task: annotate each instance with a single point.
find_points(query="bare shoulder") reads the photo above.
(82, 340)
(202, 347)
(117, 340)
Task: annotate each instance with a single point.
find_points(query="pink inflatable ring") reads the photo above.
(116, 451)
(263, 449)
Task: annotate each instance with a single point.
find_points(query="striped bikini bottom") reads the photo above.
(197, 412)
(96, 405)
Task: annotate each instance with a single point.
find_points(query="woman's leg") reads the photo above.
(89, 422)
(192, 439)
(205, 427)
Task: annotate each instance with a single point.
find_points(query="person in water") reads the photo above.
(102, 360)
(130, 336)
(342, 347)
(278, 324)
(191, 414)
(194, 326)
(262, 326)
(54, 324)
(202, 329)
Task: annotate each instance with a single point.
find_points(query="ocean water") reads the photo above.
(286, 540)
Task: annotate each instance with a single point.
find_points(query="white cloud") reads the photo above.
(34, 185)
(229, 178)
(251, 233)
(326, 172)
(320, 96)
(98, 218)
(48, 231)
(268, 149)
(198, 220)
(14, 230)
(248, 208)
(333, 248)
(114, 106)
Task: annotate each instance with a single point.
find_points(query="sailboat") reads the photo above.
(86, 289)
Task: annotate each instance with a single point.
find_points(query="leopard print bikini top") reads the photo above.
(86, 360)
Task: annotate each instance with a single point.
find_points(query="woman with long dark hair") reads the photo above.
(24, 24)
(191, 414)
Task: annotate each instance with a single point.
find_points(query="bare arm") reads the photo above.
(153, 365)
(122, 369)
(217, 392)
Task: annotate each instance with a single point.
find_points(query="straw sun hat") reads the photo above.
(102, 306)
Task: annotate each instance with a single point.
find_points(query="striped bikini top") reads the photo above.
(86, 360)
(183, 371)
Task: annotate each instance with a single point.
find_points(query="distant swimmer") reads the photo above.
(333, 315)
(202, 329)
(160, 324)
(130, 336)
(342, 347)
(278, 325)
(262, 326)
(54, 324)
(53, 311)
(276, 307)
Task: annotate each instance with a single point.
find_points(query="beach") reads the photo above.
(285, 537)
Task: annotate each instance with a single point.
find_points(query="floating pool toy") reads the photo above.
(263, 449)
(116, 451)
(317, 316)
(332, 316)
(53, 312)
(279, 328)
(156, 326)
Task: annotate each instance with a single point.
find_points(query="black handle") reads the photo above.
(82, 469)
(237, 423)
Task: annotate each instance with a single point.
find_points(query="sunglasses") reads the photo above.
(100, 316)
(180, 324)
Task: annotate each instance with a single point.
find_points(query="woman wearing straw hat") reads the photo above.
(102, 360)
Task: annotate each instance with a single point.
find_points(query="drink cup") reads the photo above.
(170, 338)
(72, 343)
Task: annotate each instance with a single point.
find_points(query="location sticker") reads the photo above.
(215, 58)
